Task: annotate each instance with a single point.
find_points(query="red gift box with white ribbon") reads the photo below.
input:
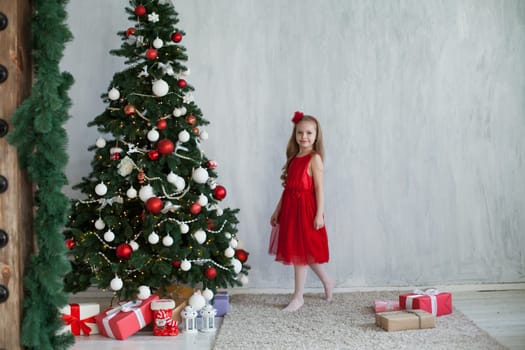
(431, 300)
(126, 319)
(80, 318)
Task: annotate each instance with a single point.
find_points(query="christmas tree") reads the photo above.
(152, 216)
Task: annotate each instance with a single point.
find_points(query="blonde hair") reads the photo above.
(293, 148)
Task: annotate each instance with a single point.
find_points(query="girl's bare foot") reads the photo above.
(329, 288)
(294, 305)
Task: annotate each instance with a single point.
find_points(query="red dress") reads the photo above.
(294, 240)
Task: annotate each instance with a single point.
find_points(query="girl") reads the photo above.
(299, 236)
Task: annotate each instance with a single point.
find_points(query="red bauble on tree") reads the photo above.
(140, 10)
(151, 54)
(124, 251)
(70, 243)
(210, 273)
(154, 205)
(129, 109)
(162, 124)
(182, 83)
(195, 208)
(165, 146)
(176, 264)
(212, 164)
(131, 31)
(153, 154)
(219, 192)
(176, 37)
(190, 119)
(241, 255)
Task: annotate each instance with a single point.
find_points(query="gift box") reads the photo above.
(405, 320)
(180, 294)
(381, 305)
(221, 303)
(431, 300)
(126, 319)
(80, 318)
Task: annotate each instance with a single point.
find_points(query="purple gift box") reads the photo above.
(222, 303)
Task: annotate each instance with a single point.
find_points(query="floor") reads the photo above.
(500, 311)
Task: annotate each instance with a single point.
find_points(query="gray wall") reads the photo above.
(423, 109)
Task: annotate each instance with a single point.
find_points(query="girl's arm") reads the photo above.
(317, 172)
(274, 219)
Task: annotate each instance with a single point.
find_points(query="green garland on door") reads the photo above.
(41, 141)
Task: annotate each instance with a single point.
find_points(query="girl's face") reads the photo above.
(305, 134)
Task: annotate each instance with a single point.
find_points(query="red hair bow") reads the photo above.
(297, 116)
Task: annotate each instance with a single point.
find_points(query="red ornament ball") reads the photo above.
(140, 10)
(176, 264)
(196, 131)
(176, 37)
(190, 119)
(195, 208)
(165, 146)
(212, 164)
(219, 192)
(124, 251)
(70, 243)
(210, 273)
(241, 255)
(153, 154)
(131, 31)
(162, 124)
(154, 205)
(129, 109)
(151, 54)
(182, 83)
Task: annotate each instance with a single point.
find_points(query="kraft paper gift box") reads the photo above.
(405, 320)
(80, 318)
(381, 305)
(181, 295)
(431, 300)
(126, 319)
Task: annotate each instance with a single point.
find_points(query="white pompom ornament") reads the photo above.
(116, 284)
(101, 143)
(101, 189)
(229, 252)
(207, 294)
(113, 94)
(153, 238)
(177, 112)
(134, 245)
(144, 292)
(167, 241)
(237, 266)
(200, 236)
(184, 136)
(160, 88)
(203, 200)
(172, 177)
(153, 135)
(197, 301)
(185, 265)
(200, 175)
(158, 43)
(234, 243)
(109, 236)
(100, 224)
(131, 193)
(184, 228)
(146, 192)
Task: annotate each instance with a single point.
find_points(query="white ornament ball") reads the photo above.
(101, 143)
(184, 136)
(145, 193)
(207, 294)
(113, 94)
(167, 241)
(144, 292)
(116, 284)
(185, 265)
(184, 228)
(229, 252)
(244, 280)
(227, 235)
(203, 135)
(101, 189)
(172, 177)
(219, 211)
(153, 238)
(109, 236)
(234, 243)
(177, 112)
(200, 236)
(100, 224)
(203, 200)
(200, 175)
(158, 43)
(160, 88)
(237, 266)
(197, 301)
(183, 110)
(180, 183)
(134, 245)
(153, 135)
(131, 193)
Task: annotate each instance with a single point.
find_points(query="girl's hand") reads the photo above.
(318, 222)
(274, 219)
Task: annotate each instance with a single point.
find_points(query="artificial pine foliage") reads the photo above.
(152, 212)
(41, 141)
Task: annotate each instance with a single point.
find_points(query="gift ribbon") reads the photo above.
(130, 306)
(75, 322)
(432, 293)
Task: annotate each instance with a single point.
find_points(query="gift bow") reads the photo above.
(76, 323)
(431, 292)
(130, 306)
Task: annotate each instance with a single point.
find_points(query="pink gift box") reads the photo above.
(126, 319)
(386, 305)
(432, 301)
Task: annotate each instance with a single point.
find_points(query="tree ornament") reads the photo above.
(114, 153)
(151, 54)
(144, 292)
(153, 154)
(113, 94)
(101, 143)
(234, 243)
(125, 167)
(153, 135)
(131, 31)
(195, 208)
(183, 110)
(70, 243)
(203, 135)
(165, 147)
(100, 224)
(184, 228)
(129, 109)
(200, 236)
(211, 224)
(184, 136)
(200, 175)
(160, 88)
(146, 192)
(101, 189)
(158, 43)
(140, 10)
(153, 238)
(207, 294)
(243, 279)
(162, 124)
(167, 241)
(153, 17)
(124, 251)
(219, 192)
(241, 255)
(116, 284)
(195, 131)
(141, 176)
(190, 119)
(197, 301)
(176, 37)
(182, 83)
(176, 264)
(177, 112)
(237, 266)
(185, 265)
(154, 205)
(134, 245)
(229, 252)
(211, 164)
(210, 273)
(109, 236)
(203, 200)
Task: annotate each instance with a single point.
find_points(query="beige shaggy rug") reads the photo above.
(256, 321)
